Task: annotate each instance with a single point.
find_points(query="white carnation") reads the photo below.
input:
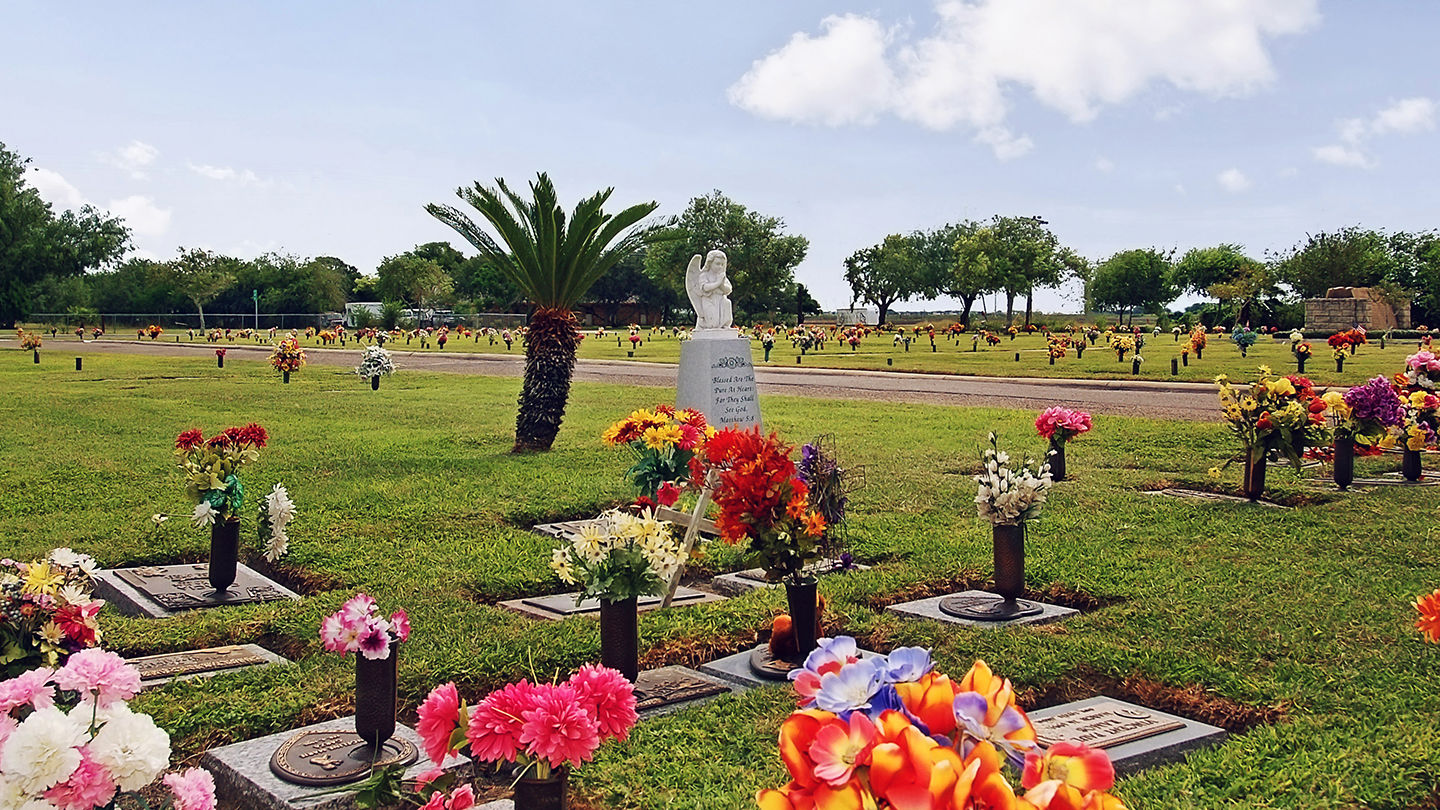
(131, 747)
(280, 506)
(43, 751)
(204, 515)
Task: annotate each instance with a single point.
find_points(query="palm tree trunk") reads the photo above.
(550, 348)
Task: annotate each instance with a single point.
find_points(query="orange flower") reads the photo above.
(1077, 765)
(814, 524)
(932, 699)
(1429, 622)
(1056, 795)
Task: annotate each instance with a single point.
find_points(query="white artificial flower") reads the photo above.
(74, 595)
(11, 795)
(43, 751)
(560, 562)
(205, 515)
(280, 507)
(159, 518)
(131, 747)
(65, 558)
(279, 544)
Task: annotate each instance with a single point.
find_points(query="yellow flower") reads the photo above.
(1280, 388)
(662, 436)
(52, 633)
(1249, 404)
(1417, 399)
(611, 435)
(1232, 411)
(1222, 379)
(41, 578)
(1215, 472)
(1416, 440)
(1387, 441)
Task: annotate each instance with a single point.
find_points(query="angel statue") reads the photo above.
(709, 291)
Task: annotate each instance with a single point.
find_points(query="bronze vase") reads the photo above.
(1410, 465)
(375, 696)
(620, 636)
(1255, 465)
(803, 603)
(1009, 543)
(1057, 460)
(544, 794)
(224, 552)
(1344, 472)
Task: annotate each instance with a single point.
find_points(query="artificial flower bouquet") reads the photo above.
(1244, 337)
(70, 741)
(1281, 414)
(1059, 425)
(540, 727)
(29, 340)
(358, 627)
(1349, 339)
(1421, 423)
(1122, 344)
(619, 556)
(288, 356)
(1428, 622)
(889, 732)
(665, 442)
(1008, 495)
(375, 362)
(1368, 413)
(46, 612)
(276, 512)
(1302, 350)
(825, 481)
(1422, 372)
(211, 468)
(764, 503)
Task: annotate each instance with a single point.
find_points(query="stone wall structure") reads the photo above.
(1348, 307)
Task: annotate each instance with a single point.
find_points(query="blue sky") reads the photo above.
(323, 128)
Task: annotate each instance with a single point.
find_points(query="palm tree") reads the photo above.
(554, 263)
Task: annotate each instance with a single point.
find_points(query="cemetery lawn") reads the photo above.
(1221, 356)
(1301, 616)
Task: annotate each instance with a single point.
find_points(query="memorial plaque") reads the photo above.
(1103, 724)
(662, 687)
(185, 587)
(194, 662)
(717, 378)
(564, 603)
(319, 758)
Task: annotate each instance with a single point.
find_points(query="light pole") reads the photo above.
(255, 296)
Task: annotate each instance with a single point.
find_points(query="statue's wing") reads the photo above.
(692, 283)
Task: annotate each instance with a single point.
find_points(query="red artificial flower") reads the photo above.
(190, 439)
(1264, 422)
(667, 494)
(253, 434)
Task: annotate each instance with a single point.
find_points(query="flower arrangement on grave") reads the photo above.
(891, 732)
(1428, 622)
(375, 363)
(1422, 371)
(1280, 415)
(1057, 345)
(665, 442)
(827, 496)
(1057, 426)
(358, 627)
(1198, 340)
(1350, 340)
(276, 512)
(211, 467)
(545, 729)
(619, 556)
(46, 610)
(992, 339)
(288, 356)
(29, 340)
(1122, 344)
(1366, 413)
(154, 331)
(1244, 338)
(73, 742)
(1010, 495)
(1420, 420)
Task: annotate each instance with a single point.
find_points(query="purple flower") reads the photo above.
(907, 664)
(375, 642)
(1375, 402)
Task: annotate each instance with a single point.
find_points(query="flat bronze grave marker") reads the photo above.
(655, 688)
(158, 591)
(1102, 725)
(155, 669)
(564, 603)
(322, 758)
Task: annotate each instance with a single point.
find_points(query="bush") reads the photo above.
(390, 314)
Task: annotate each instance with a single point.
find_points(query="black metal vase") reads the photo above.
(620, 637)
(1009, 542)
(803, 603)
(1057, 460)
(37, 356)
(544, 794)
(1344, 473)
(1255, 466)
(375, 383)
(219, 361)
(224, 552)
(1300, 364)
(1410, 465)
(375, 696)
(285, 376)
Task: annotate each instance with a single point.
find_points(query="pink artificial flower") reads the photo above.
(557, 728)
(194, 789)
(424, 779)
(400, 623)
(667, 494)
(463, 798)
(100, 675)
(437, 802)
(7, 727)
(88, 787)
(1062, 423)
(28, 688)
(357, 609)
(339, 636)
(495, 724)
(375, 642)
(609, 698)
(439, 717)
(1423, 361)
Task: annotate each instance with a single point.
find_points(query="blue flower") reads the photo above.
(907, 664)
(850, 688)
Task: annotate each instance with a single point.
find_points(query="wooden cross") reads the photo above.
(692, 523)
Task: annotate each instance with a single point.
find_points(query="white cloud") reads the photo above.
(132, 158)
(55, 189)
(1233, 181)
(141, 215)
(1076, 56)
(1407, 116)
(1104, 164)
(244, 177)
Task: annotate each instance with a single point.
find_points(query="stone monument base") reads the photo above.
(717, 378)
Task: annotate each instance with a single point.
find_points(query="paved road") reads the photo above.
(1192, 401)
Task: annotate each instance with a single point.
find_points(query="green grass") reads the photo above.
(1098, 362)
(410, 494)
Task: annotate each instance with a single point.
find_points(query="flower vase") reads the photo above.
(1339, 364)
(1255, 464)
(1199, 353)
(224, 552)
(1300, 364)
(375, 696)
(219, 361)
(285, 376)
(1009, 544)
(1344, 472)
(803, 608)
(375, 383)
(1057, 460)
(620, 636)
(1410, 465)
(37, 357)
(544, 794)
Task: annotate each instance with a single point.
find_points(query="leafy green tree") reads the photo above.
(762, 259)
(1349, 257)
(884, 274)
(970, 272)
(417, 281)
(1133, 279)
(555, 260)
(626, 282)
(37, 244)
(201, 276)
(1024, 256)
(1227, 274)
